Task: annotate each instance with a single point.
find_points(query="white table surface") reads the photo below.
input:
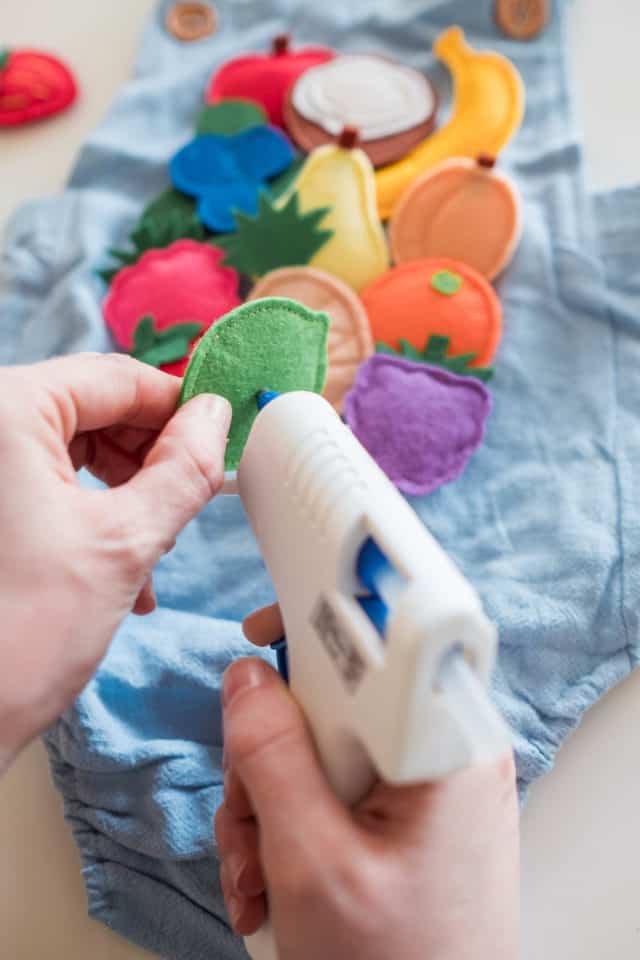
(581, 829)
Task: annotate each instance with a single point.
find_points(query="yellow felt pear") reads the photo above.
(487, 110)
(340, 176)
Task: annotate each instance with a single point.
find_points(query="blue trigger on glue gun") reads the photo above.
(377, 575)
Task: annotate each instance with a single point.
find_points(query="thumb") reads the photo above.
(183, 470)
(269, 746)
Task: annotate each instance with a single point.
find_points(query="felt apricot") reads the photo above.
(435, 295)
(461, 209)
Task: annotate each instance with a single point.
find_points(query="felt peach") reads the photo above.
(462, 209)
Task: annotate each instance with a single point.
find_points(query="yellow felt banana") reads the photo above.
(487, 110)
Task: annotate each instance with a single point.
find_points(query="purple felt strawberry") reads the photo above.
(419, 423)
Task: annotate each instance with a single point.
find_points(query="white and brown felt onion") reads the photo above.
(393, 107)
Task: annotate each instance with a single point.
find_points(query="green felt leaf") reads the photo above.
(436, 352)
(283, 181)
(169, 203)
(274, 344)
(164, 220)
(436, 348)
(446, 282)
(229, 117)
(157, 347)
(5, 53)
(278, 236)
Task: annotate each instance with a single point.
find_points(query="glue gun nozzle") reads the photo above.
(263, 397)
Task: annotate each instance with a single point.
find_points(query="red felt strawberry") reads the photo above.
(266, 78)
(33, 85)
(158, 308)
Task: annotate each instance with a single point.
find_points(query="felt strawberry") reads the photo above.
(33, 85)
(158, 307)
(419, 423)
(266, 78)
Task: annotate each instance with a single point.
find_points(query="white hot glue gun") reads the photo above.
(388, 646)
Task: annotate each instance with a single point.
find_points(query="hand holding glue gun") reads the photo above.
(370, 809)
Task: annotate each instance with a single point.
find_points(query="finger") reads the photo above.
(182, 472)
(92, 391)
(486, 791)
(105, 459)
(269, 746)
(146, 600)
(247, 914)
(236, 797)
(238, 845)
(264, 626)
(112, 455)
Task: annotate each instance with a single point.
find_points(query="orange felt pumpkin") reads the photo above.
(435, 296)
(461, 209)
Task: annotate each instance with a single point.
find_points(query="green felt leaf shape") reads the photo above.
(228, 117)
(169, 217)
(273, 344)
(436, 352)
(157, 347)
(278, 236)
(4, 58)
(170, 203)
(285, 180)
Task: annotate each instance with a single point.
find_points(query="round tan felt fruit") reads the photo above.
(461, 209)
(435, 296)
(349, 335)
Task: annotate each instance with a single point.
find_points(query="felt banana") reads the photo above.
(487, 110)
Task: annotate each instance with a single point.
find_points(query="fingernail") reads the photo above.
(216, 407)
(234, 906)
(242, 675)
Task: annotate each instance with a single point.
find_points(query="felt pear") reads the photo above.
(340, 176)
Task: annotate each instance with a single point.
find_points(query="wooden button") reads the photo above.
(522, 19)
(191, 21)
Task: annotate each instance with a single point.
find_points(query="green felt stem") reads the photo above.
(158, 347)
(436, 352)
(5, 53)
(229, 117)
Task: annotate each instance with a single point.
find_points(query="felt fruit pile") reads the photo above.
(301, 235)
(33, 85)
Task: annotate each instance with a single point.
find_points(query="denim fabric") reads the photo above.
(544, 521)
